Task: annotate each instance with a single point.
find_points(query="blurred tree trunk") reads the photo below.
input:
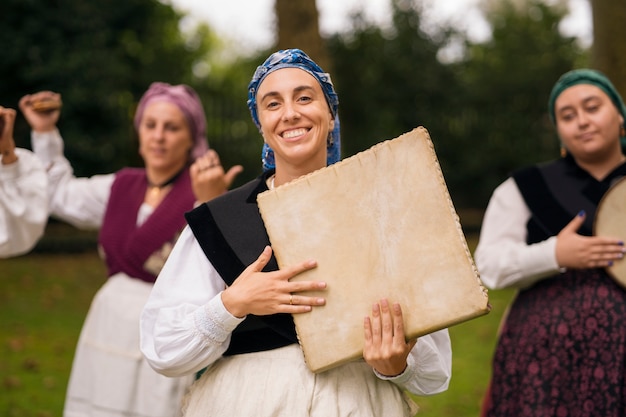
(608, 53)
(298, 27)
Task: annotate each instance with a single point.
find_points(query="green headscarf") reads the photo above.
(591, 77)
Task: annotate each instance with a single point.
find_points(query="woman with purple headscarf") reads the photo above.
(222, 306)
(140, 213)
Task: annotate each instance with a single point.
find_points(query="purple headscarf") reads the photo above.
(188, 102)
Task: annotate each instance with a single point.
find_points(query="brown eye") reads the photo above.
(567, 116)
(592, 109)
(305, 98)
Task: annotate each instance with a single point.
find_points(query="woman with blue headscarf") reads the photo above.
(222, 305)
(561, 350)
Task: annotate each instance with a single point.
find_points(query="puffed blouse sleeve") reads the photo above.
(503, 258)
(23, 204)
(429, 365)
(185, 327)
(79, 201)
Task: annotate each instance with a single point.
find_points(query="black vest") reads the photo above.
(556, 191)
(232, 235)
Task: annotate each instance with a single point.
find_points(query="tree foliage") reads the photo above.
(230, 129)
(506, 81)
(389, 81)
(101, 56)
(486, 114)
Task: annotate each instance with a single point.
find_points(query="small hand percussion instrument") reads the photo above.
(610, 221)
(46, 104)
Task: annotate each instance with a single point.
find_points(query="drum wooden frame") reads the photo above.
(380, 224)
(610, 221)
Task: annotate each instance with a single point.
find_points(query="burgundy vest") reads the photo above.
(127, 246)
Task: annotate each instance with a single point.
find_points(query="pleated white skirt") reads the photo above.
(110, 377)
(277, 383)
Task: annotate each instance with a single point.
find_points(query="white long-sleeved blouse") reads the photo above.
(23, 204)
(185, 326)
(79, 201)
(503, 258)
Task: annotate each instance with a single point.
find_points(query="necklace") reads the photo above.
(155, 189)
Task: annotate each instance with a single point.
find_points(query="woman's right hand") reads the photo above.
(264, 293)
(580, 252)
(40, 121)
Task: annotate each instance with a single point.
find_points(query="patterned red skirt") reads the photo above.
(562, 350)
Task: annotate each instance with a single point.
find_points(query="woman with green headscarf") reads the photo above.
(561, 349)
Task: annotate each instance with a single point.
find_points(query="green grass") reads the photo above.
(44, 300)
(473, 343)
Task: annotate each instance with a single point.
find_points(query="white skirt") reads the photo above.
(277, 383)
(110, 377)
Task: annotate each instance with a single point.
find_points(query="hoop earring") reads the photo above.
(622, 131)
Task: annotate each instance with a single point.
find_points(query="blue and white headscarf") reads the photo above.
(295, 58)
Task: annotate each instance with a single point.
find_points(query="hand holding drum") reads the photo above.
(41, 110)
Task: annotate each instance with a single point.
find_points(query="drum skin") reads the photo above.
(379, 224)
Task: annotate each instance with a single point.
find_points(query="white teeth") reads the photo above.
(293, 133)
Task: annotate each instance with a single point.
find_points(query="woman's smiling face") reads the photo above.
(295, 119)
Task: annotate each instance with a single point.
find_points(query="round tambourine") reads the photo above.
(611, 221)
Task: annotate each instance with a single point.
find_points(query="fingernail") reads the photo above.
(610, 263)
(581, 213)
(621, 242)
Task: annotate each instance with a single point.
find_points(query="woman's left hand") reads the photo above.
(385, 348)
(208, 178)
